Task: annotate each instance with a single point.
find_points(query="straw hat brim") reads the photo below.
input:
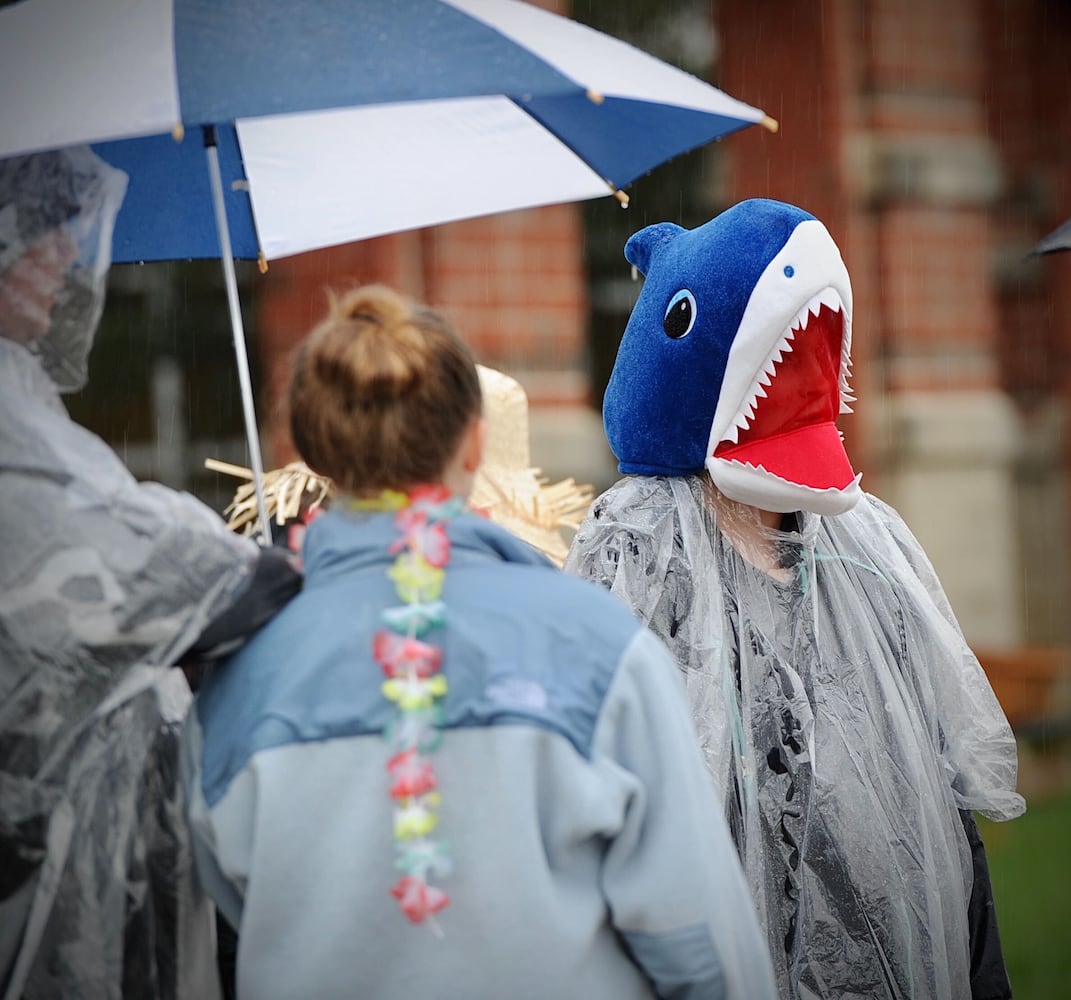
(523, 502)
(517, 499)
(289, 492)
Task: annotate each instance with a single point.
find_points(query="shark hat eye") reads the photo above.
(789, 270)
(680, 315)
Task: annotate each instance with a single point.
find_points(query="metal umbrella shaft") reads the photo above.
(256, 463)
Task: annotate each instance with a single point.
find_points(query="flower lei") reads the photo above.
(416, 686)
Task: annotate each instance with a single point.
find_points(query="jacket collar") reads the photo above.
(340, 542)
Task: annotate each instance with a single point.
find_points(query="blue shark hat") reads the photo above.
(736, 359)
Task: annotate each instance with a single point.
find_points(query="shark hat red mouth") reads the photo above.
(792, 431)
(783, 449)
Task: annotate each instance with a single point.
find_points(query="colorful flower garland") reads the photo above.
(417, 686)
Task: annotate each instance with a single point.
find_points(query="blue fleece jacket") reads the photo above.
(590, 857)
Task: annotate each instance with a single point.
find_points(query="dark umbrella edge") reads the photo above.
(1058, 239)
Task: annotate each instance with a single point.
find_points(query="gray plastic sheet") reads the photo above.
(104, 582)
(844, 720)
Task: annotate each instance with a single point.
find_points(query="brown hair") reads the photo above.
(381, 393)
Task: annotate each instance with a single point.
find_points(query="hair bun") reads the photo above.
(381, 392)
(372, 303)
(375, 355)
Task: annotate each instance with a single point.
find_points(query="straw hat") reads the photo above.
(508, 489)
(289, 492)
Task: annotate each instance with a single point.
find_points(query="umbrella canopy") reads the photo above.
(1058, 239)
(329, 121)
(342, 119)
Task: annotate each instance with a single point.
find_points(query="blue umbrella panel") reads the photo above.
(168, 213)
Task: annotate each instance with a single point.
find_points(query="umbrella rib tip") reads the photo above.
(770, 124)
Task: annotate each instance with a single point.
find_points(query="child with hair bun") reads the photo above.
(446, 769)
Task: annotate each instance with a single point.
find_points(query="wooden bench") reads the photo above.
(1033, 685)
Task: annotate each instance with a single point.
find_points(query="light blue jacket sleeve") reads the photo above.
(672, 875)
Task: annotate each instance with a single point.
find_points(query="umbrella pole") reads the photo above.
(238, 330)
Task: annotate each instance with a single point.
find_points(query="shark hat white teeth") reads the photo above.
(763, 380)
(757, 486)
(830, 298)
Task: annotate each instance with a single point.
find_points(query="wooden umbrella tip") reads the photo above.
(770, 124)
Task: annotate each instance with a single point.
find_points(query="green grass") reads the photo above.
(1030, 865)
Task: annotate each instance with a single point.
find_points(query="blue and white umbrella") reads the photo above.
(328, 121)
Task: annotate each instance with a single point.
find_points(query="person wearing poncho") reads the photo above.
(850, 730)
(104, 583)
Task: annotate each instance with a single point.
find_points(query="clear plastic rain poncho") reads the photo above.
(842, 715)
(104, 582)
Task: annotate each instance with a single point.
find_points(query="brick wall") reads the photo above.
(1027, 93)
(902, 121)
(936, 302)
(512, 284)
(1028, 100)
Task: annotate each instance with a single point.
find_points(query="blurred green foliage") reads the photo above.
(1031, 873)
